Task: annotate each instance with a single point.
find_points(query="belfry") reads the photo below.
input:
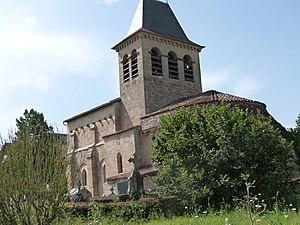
(157, 62)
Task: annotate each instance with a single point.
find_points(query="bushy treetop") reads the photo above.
(202, 153)
(32, 122)
(33, 174)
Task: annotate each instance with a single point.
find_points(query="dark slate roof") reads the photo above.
(157, 17)
(208, 97)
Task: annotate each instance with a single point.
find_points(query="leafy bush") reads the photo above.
(143, 210)
(202, 153)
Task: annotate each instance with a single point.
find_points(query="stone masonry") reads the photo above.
(101, 140)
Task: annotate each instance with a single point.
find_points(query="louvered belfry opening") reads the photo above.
(126, 75)
(188, 68)
(173, 65)
(134, 64)
(156, 62)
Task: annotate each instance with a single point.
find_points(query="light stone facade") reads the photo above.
(102, 139)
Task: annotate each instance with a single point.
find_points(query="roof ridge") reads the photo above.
(203, 98)
(93, 109)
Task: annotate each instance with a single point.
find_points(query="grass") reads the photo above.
(233, 218)
(249, 210)
(230, 218)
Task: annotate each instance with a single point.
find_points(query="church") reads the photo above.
(159, 71)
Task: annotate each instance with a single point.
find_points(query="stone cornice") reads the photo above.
(157, 38)
(122, 131)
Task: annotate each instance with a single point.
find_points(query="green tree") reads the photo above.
(33, 123)
(202, 153)
(295, 137)
(33, 178)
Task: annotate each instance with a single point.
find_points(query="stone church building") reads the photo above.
(159, 71)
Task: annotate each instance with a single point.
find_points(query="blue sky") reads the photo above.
(56, 57)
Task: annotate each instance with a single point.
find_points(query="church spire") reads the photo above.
(157, 17)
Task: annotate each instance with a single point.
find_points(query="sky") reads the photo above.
(56, 57)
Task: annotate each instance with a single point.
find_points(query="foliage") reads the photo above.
(252, 206)
(33, 123)
(202, 153)
(202, 217)
(236, 218)
(295, 136)
(33, 179)
(155, 211)
(129, 212)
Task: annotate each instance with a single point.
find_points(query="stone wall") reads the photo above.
(147, 93)
(87, 148)
(132, 91)
(162, 90)
(88, 130)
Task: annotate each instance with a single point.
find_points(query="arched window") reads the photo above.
(173, 65)
(125, 63)
(120, 163)
(156, 62)
(134, 64)
(84, 177)
(188, 68)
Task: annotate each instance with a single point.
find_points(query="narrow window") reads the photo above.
(120, 163)
(173, 65)
(84, 177)
(76, 141)
(156, 62)
(104, 173)
(134, 64)
(125, 68)
(97, 134)
(188, 68)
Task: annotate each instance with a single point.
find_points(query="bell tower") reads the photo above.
(158, 64)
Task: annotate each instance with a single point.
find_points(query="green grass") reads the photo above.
(233, 218)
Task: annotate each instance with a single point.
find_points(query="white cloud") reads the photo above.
(33, 42)
(41, 82)
(109, 2)
(30, 21)
(230, 79)
(37, 61)
(218, 78)
(247, 86)
(32, 60)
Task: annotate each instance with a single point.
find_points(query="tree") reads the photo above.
(295, 137)
(202, 154)
(33, 178)
(32, 123)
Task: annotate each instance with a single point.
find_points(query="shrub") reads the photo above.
(202, 153)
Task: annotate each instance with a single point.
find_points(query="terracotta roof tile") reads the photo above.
(207, 97)
(146, 171)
